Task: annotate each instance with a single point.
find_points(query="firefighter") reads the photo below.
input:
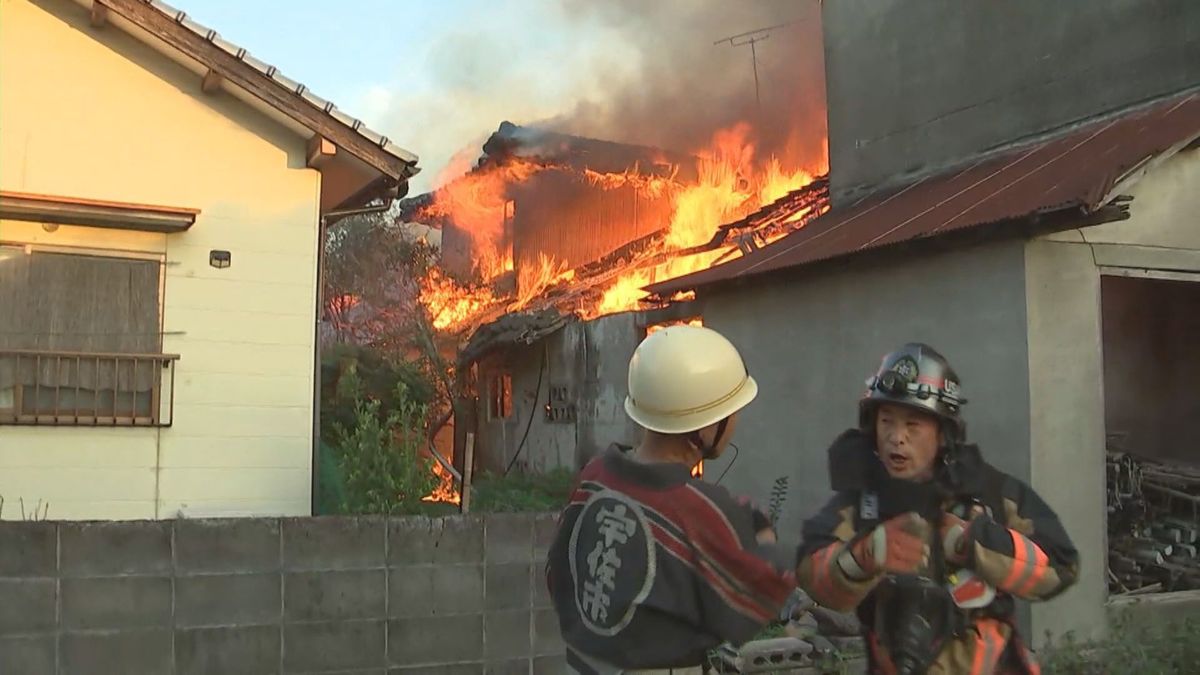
(928, 541)
(651, 568)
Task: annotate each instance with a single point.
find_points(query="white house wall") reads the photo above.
(1066, 364)
(92, 113)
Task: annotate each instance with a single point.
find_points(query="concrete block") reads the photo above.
(28, 549)
(110, 548)
(769, 656)
(452, 669)
(449, 639)
(453, 539)
(549, 665)
(325, 596)
(134, 652)
(507, 635)
(28, 654)
(545, 527)
(514, 667)
(227, 545)
(342, 645)
(435, 590)
(27, 606)
(508, 587)
(547, 637)
(227, 600)
(333, 543)
(116, 602)
(241, 650)
(508, 538)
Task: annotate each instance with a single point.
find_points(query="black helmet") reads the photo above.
(917, 376)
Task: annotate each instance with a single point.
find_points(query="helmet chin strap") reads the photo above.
(708, 451)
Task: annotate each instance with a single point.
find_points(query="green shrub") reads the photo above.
(380, 461)
(351, 373)
(493, 493)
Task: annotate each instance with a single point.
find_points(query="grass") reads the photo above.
(1156, 650)
(517, 493)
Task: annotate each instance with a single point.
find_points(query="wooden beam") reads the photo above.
(212, 82)
(320, 151)
(244, 75)
(99, 14)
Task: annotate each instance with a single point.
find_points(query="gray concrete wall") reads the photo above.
(913, 86)
(811, 342)
(1066, 399)
(585, 363)
(325, 595)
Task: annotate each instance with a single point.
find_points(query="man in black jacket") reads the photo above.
(652, 568)
(927, 540)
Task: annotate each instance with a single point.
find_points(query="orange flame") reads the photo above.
(731, 184)
(537, 277)
(477, 202)
(730, 187)
(444, 492)
(450, 304)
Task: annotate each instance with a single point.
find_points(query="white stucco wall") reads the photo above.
(1066, 361)
(92, 113)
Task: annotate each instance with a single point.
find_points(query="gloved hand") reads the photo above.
(763, 529)
(898, 546)
(953, 533)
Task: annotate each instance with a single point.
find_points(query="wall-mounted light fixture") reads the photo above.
(219, 259)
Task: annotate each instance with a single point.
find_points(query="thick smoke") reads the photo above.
(633, 71)
(686, 87)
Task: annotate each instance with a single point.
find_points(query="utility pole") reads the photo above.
(752, 38)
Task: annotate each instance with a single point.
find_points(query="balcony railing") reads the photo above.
(59, 388)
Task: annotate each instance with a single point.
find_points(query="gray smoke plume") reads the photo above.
(633, 71)
(686, 87)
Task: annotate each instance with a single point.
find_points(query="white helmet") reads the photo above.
(685, 378)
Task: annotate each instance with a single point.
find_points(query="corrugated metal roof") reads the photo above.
(1074, 169)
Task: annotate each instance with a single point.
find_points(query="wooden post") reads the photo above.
(468, 470)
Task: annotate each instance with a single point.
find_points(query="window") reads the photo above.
(500, 396)
(80, 338)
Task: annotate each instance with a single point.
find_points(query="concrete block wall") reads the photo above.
(377, 596)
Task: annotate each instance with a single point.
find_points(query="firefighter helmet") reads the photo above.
(918, 377)
(685, 378)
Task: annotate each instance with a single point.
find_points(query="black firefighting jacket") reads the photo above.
(1021, 549)
(652, 568)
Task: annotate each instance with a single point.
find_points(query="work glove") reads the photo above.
(898, 546)
(953, 534)
(763, 529)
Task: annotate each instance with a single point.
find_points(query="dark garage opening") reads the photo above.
(1151, 344)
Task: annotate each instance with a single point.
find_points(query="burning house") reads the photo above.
(546, 244)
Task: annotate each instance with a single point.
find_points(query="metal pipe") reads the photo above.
(323, 224)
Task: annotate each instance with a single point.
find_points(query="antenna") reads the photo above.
(753, 37)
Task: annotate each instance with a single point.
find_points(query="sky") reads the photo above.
(434, 76)
(439, 76)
